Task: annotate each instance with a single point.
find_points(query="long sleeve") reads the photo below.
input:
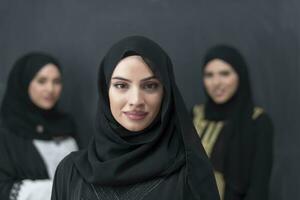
(7, 178)
(262, 164)
(35, 190)
(61, 183)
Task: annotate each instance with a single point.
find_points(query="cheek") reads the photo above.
(207, 85)
(34, 90)
(233, 83)
(58, 89)
(116, 101)
(155, 102)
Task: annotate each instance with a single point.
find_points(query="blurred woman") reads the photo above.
(146, 146)
(236, 134)
(34, 135)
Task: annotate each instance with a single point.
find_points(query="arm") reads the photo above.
(61, 183)
(13, 185)
(262, 162)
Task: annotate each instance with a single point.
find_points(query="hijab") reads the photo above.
(237, 113)
(118, 157)
(19, 114)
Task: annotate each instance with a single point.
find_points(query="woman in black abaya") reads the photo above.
(146, 146)
(236, 135)
(34, 135)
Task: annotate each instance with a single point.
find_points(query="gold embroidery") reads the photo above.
(209, 131)
(220, 183)
(257, 112)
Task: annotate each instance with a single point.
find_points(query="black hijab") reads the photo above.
(168, 145)
(237, 113)
(19, 114)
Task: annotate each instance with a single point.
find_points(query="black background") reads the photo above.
(79, 32)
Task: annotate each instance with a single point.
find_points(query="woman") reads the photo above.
(236, 135)
(34, 135)
(145, 148)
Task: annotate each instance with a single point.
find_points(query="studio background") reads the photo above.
(79, 33)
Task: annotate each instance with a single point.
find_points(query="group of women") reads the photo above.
(146, 146)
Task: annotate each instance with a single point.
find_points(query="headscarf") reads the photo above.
(237, 113)
(19, 114)
(168, 145)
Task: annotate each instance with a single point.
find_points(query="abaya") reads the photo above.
(236, 135)
(164, 161)
(32, 140)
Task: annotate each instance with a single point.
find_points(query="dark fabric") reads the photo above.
(69, 185)
(19, 158)
(19, 114)
(239, 137)
(168, 146)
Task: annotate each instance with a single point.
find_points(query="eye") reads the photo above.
(41, 80)
(151, 86)
(225, 73)
(120, 85)
(208, 75)
(57, 81)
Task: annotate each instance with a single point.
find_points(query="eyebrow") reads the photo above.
(124, 79)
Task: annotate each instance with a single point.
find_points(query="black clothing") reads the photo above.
(235, 153)
(22, 122)
(18, 112)
(167, 149)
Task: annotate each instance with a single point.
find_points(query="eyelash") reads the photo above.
(43, 81)
(210, 75)
(146, 86)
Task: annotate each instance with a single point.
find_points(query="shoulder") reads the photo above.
(262, 122)
(65, 166)
(66, 179)
(198, 110)
(261, 117)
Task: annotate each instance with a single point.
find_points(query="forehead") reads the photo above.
(132, 67)
(217, 65)
(48, 70)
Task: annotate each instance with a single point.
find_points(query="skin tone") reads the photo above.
(135, 94)
(45, 88)
(220, 80)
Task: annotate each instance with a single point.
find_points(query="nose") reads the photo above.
(136, 98)
(50, 87)
(216, 80)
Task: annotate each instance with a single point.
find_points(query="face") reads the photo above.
(220, 80)
(45, 88)
(135, 94)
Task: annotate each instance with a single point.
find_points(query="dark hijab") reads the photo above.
(19, 114)
(237, 113)
(116, 157)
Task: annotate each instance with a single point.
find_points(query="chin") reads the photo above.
(46, 107)
(220, 101)
(134, 129)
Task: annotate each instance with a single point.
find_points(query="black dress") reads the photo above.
(213, 136)
(32, 140)
(163, 161)
(69, 185)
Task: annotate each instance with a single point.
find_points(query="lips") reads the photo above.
(49, 99)
(219, 92)
(136, 115)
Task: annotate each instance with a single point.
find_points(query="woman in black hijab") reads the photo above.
(34, 135)
(146, 146)
(236, 135)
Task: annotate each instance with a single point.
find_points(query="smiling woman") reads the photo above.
(45, 88)
(135, 94)
(34, 135)
(236, 135)
(145, 146)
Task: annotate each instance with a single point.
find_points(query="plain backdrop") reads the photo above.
(79, 32)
